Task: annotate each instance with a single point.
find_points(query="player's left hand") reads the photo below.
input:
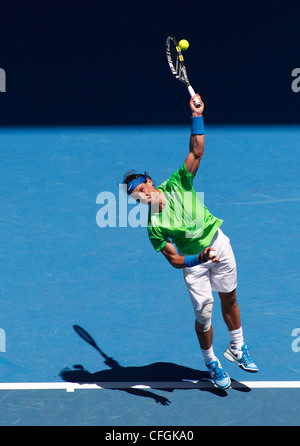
(197, 111)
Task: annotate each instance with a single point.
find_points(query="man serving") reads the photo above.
(190, 238)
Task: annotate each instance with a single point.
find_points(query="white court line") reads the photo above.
(71, 387)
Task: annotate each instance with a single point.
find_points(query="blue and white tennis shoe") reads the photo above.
(219, 377)
(241, 357)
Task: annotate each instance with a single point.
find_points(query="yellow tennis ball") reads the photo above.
(184, 44)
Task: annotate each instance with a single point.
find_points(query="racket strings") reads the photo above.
(174, 61)
(174, 58)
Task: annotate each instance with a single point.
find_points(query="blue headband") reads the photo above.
(135, 183)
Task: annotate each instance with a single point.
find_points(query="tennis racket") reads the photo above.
(176, 63)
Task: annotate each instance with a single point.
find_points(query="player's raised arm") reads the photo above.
(197, 139)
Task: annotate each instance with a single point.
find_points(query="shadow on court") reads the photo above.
(161, 373)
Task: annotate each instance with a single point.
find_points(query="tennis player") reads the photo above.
(190, 238)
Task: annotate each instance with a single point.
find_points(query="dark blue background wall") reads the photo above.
(94, 62)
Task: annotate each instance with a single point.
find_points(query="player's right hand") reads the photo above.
(207, 255)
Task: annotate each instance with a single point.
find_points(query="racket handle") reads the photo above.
(196, 101)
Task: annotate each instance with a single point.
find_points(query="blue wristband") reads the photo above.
(190, 261)
(197, 125)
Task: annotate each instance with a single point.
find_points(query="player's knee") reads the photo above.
(203, 318)
(228, 299)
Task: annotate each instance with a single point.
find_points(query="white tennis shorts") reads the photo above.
(202, 279)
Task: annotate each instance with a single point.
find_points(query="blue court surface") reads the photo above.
(59, 268)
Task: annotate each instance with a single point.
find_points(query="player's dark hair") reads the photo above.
(129, 176)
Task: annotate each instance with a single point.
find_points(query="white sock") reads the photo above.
(208, 355)
(237, 338)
